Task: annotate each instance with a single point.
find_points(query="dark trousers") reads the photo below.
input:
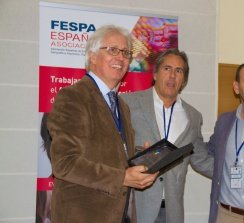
(161, 214)
(126, 220)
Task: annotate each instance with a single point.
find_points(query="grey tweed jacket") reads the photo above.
(173, 181)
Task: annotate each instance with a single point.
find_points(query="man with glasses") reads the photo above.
(157, 113)
(92, 138)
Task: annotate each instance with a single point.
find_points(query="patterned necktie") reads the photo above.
(113, 102)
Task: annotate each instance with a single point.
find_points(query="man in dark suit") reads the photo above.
(92, 138)
(160, 112)
(227, 146)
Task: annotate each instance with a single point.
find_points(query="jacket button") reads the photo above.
(161, 178)
(124, 193)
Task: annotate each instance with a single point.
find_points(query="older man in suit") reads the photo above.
(227, 146)
(92, 138)
(157, 113)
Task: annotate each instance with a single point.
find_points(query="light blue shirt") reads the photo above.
(102, 87)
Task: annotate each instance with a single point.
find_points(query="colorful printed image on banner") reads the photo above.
(151, 36)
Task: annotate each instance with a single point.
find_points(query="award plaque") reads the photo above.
(160, 156)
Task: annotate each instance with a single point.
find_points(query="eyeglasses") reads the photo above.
(169, 69)
(114, 51)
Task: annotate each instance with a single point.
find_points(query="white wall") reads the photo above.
(19, 27)
(231, 32)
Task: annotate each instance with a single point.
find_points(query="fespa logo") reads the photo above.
(72, 26)
(65, 34)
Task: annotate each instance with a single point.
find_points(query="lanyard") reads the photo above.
(238, 150)
(166, 133)
(118, 120)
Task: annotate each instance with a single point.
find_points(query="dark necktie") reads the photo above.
(113, 102)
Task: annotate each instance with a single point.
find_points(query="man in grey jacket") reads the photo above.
(157, 113)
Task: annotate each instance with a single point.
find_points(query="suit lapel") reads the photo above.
(147, 107)
(99, 99)
(105, 112)
(226, 129)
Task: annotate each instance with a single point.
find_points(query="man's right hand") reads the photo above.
(137, 178)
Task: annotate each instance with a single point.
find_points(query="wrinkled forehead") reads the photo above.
(173, 60)
(114, 38)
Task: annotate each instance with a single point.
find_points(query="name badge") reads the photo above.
(236, 177)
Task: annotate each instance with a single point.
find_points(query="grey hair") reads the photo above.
(95, 41)
(176, 52)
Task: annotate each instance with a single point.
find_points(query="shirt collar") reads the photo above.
(157, 100)
(101, 85)
(238, 112)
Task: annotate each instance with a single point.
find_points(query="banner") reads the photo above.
(64, 32)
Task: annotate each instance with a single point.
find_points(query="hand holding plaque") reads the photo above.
(160, 156)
